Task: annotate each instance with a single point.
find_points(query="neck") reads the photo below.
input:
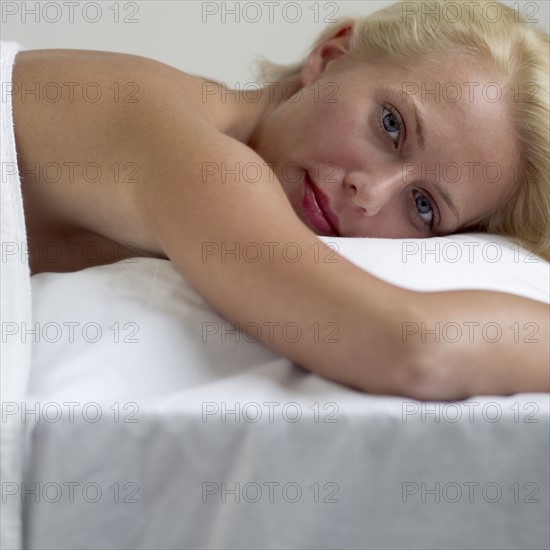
(249, 108)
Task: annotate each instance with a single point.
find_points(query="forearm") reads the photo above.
(480, 342)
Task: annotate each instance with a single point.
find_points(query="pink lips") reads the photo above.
(317, 209)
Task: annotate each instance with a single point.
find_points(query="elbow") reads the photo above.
(399, 362)
(432, 369)
(412, 373)
(397, 359)
(435, 374)
(402, 367)
(418, 379)
(413, 377)
(424, 368)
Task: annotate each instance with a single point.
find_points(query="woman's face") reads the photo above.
(387, 146)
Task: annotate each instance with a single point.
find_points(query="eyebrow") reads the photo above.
(419, 125)
(448, 199)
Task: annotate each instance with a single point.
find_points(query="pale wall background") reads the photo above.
(193, 36)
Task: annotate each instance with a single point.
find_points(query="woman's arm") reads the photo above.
(237, 242)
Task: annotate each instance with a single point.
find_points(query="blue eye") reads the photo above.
(425, 207)
(390, 123)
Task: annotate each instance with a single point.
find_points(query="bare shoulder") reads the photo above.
(79, 73)
(85, 123)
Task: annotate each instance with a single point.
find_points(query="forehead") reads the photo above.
(469, 103)
(461, 101)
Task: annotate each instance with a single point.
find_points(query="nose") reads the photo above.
(371, 193)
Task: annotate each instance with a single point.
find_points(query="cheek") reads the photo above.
(316, 128)
(281, 133)
(344, 123)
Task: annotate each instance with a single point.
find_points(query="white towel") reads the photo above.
(15, 306)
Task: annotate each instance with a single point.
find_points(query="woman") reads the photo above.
(195, 174)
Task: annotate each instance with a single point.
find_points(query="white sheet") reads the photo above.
(15, 302)
(374, 460)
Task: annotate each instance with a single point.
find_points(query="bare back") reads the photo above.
(83, 121)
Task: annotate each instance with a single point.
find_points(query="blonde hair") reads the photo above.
(408, 31)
